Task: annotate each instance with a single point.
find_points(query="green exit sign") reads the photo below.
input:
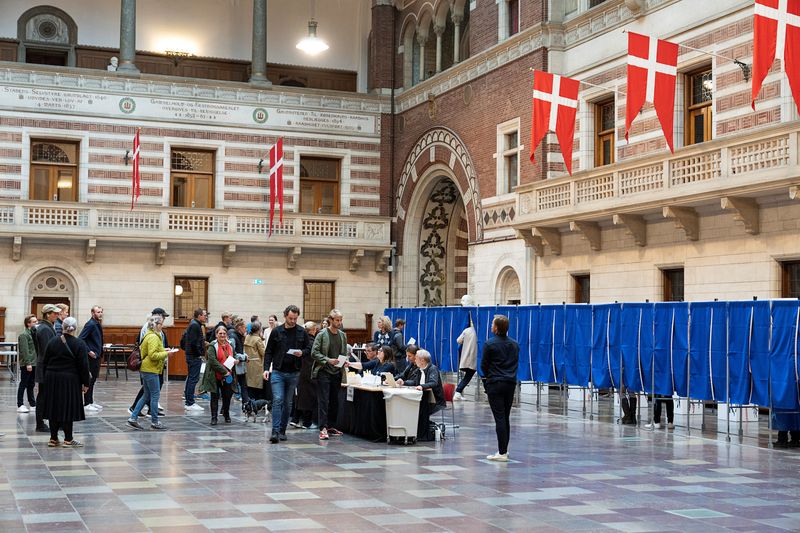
(258, 282)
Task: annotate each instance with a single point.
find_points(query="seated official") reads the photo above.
(371, 351)
(428, 379)
(384, 362)
(411, 373)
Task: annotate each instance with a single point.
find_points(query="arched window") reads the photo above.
(508, 288)
(47, 36)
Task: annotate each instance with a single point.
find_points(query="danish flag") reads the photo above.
(652, 71)
(776, 34)
(275, 181)
(136, 178)
(555, 102)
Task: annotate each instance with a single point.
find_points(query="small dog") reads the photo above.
(253, 407)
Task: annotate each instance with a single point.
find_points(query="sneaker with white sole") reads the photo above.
(134, 424)
(670, 426)
(194, 407)
(498, 457)
(457, 397)
(97, 406)
(23, 409)
(91, 408)
(652, 426)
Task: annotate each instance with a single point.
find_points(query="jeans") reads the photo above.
(141, 390)
(283, 386)
(152, 392)
(328, 386)
(194, 364)
(26, 383)
(501, 398)
(241, 380)
(226, 389)
(468, 373)
(94, 371)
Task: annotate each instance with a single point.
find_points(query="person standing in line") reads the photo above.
(27, 364)
(499, 368)
(45, 331)
(287, 345)
(92, 335)
(254, 347)
(329, 345)
(66, 377)
(398, 343)
(145, 328)
(306, 412)
(236, 336)
(195, 347)
(63, 313)
(153, 357)
(217, 379)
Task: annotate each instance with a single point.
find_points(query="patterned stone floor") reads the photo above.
(567, 474)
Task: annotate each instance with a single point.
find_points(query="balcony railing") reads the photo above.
(764, 160)
(176, 224)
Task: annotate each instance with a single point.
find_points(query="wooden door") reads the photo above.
(39, 302)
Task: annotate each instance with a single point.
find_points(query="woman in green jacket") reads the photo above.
(153, 357)
(27, 365)
(217, 379)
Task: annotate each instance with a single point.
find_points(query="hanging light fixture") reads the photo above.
(312, 44)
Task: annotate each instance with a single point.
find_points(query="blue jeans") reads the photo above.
(194, 364)
(283, 385)
(152, 392)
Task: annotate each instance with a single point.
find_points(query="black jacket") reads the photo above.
(500, 359)
(195, 343)
(281, 340)
(42, 335)
(92, 335)
(411, 373)
(433, 381)
(59, 358)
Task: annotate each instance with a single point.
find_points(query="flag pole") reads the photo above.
(592, 85)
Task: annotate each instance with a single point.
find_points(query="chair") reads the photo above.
(449, 391)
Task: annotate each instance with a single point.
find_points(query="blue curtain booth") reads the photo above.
(738, 352)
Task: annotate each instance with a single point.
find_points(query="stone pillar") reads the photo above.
(458, 18)
(421, 40)
(382, 52)
(258, 68)
(438, 30)
(127, 37)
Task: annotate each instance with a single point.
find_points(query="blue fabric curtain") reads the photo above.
(708, 350)
(636, 341)
(551, 344)
(528, 339)
(741, 319)
(483, 329)
(783, 355)
(605, 346)
(670, 349)
(577, 344)
(759, 353)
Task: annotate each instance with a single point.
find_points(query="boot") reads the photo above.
(783, 440)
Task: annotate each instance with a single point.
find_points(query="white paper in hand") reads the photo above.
(229, 363)
(342, 359)
(413, 341)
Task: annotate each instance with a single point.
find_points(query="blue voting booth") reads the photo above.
(737, 352)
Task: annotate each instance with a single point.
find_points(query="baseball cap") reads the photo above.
(159, 311)
(50, 308)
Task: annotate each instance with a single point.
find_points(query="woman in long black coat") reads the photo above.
(66, 378)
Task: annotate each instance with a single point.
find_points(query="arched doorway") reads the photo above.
(50, 286)
(508, 290)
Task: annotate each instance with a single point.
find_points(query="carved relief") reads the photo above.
(433, 247)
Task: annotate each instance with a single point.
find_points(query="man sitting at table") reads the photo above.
(429, 379)
(411, 373)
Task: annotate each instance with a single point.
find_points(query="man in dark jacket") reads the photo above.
(429, 378)
(288, 344)
(499, 368)
(92, 335)
(45, 332)
(411, 373)
(195, 351)
(398, 343)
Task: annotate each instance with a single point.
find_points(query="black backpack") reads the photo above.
(183, 340)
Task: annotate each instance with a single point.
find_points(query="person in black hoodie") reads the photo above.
(287, 345)
(45, 331)
(499, 368)
(195, 348)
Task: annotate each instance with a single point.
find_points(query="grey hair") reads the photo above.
(423, 354)
(255, 327)
(69, 325)
(154, 320)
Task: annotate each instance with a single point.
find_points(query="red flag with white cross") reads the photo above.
(136, 179)
(652, 72)
(776, 35)
(275, 180)
(555, 103)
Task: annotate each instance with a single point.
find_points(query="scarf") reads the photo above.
(223, 352)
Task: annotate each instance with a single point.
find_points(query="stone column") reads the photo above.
(458, 18)
(258, 70)
(421, 40)
(127, 37)
(438, 30)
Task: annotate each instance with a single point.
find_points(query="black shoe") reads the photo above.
(274, 438)
(214, 421)
(780, 444)
(282, 435)
(43, 429)
(794, 444)
(227, 420)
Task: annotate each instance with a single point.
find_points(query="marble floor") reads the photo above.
(567, 474)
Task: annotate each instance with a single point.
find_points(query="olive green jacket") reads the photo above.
(209, 381)
(26, 348)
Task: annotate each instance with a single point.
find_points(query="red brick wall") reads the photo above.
(381, 50)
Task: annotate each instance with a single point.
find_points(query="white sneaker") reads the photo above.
(457, 397)
(97, 406)
(91, 408)
(652, 426)
(23, 409)
(160, 408)
(670, 426)
(499, 457)
(194, 407)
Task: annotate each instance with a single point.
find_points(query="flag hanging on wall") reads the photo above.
(275, 181)
(136, 178)
(652, 72)
(555, 103)
(776, 35)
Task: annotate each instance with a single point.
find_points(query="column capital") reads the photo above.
(438, 30)
(421, 38)
(457, 18)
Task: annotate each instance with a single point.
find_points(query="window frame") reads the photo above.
(601, 135)
(176, 307)
(319, 182)
(667, 284)
(578, 280)
(503, 154)
(786, 280)
(513, 12)
(704, 109)
(325, 312)
(191, 175)
(54, 169)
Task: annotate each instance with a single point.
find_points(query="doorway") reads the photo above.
(38, 302)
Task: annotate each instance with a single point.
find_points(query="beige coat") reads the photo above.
(469, 349)
(254, 347)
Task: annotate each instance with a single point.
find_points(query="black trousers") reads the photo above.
(94, 371)
(667, 400)
(39, 412)
(66, 425)
(468, 373)
(501, 398)
(328, 386)
(141, 390)
(226, 391)
(27, 380)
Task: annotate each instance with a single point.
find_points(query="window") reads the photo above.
(604, 136)
(582, 286)
(700, 93)
(513, 17)
(54, 171)
(190, 293)
(790, 283)
(318, 299)
(192, 178)
(319, 185)
(595, 3)
(508, 149)
(673, 284)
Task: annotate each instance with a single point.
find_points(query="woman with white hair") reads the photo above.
(66, 378)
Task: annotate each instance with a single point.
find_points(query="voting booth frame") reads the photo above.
(741, 355)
